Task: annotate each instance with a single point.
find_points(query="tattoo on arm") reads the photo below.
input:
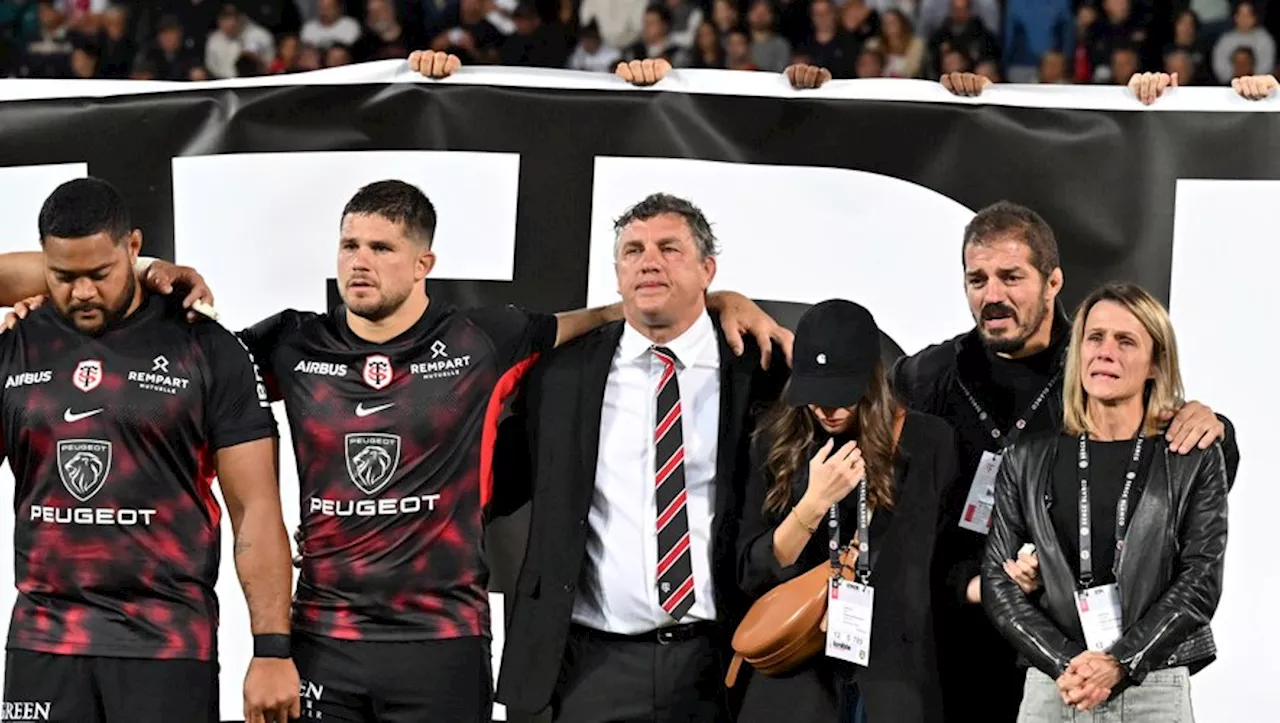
(241, 545)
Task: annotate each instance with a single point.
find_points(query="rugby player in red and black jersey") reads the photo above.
(393, 401)
(116, 414)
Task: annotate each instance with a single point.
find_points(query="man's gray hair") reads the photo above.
(659, 203)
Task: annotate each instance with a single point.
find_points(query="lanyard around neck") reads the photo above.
(1086, 512)
(863, 564)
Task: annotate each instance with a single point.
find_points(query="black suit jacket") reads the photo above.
(548, 453)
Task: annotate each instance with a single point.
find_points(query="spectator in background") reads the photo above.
(964, 33)
(859, 21)
(769, 51)
(934, 14)
(592, 55)
(655, 38)
(469, 34)
(309, 58)
(1178, 63)
(115, 51)
(954, 61)
(1053, 68)
(904, 52)
(724, 13)
(708, 51)
(248, 66)
(235, 36)
(906, 7)
(82, 16)
(870, 63)
(337, 55)
(686, 16)
(20, 21)
(331, 26)
(288, 46)
(1243, 62)
(84, 62)
(990, 70)
(1125, 62)
(197, 17)
(737, 51)
(383, 37)
(49, 54)
(1031, 29)
(534, 43)
(1247, 33)
(1119, 27)
(169, 58)
(1187, 40)
(1214, 16)
(618, 20)
(830, 46)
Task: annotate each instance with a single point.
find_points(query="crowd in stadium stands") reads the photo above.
(1025, 41)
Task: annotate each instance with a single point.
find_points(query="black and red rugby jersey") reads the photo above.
(393, 445)
(112, 441)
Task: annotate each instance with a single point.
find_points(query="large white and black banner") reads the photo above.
(859, 190)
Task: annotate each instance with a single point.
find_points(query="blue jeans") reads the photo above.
(1164, 697)
(852, 710)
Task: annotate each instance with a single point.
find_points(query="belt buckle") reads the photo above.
(666, 636)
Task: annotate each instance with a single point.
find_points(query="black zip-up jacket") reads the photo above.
(1170, 576)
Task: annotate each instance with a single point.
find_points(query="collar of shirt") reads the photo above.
(696, 346)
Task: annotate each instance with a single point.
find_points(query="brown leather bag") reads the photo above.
(784, 627)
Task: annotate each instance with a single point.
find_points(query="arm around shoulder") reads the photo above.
(21, 276)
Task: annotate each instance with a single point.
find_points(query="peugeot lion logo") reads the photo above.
(372, 460)
(83, 465)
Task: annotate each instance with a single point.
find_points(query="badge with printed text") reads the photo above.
(849, 609)
(1100, 616)
(981, 501)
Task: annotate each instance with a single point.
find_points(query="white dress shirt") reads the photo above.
(619, 590)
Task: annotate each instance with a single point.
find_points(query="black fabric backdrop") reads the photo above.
(1104, 180)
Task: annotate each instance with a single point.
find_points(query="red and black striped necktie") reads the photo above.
(675, 562)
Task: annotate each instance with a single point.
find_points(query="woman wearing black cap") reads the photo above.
(836, 427)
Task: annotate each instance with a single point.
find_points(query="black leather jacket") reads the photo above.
(1170, 576)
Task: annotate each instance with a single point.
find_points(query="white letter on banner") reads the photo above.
(23, 190)
(263, 229)
(805, 234)
(1224, 307)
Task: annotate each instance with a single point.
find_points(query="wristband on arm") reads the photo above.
(272, 646)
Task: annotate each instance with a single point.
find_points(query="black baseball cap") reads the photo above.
(836, 348)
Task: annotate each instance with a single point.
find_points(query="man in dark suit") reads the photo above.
(632, 442)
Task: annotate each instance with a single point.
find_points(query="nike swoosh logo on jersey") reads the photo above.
(71, 416)
(362, 412)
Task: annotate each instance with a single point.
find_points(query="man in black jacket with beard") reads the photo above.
(994, 383)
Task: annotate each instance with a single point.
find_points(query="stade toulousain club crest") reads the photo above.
(83, 465)
(88, 375)
(377, 371)
(372, 459)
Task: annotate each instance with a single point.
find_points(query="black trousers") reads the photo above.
(80, 689)
(354, 681)
(607, 678)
